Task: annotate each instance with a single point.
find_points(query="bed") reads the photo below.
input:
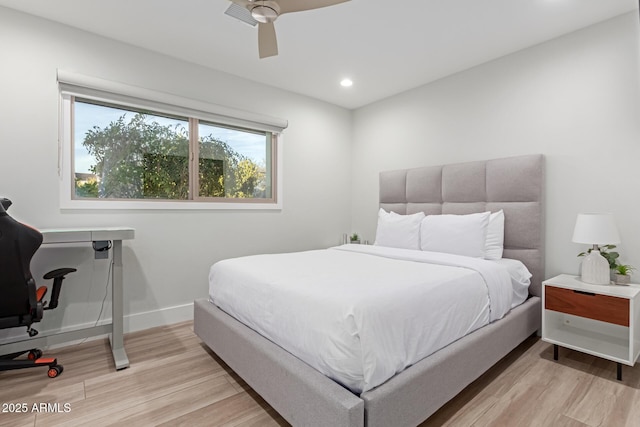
(306, 397)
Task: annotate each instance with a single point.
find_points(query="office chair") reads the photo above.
(21, 304)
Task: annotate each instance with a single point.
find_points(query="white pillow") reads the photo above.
(398, 231)
(495, 236)
(455, 234)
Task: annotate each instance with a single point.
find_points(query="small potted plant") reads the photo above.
(354, 238)
(623, 274)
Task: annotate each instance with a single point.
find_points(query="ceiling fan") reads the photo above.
(265, 12)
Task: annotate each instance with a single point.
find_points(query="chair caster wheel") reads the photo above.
(54, 371)
(35, 354)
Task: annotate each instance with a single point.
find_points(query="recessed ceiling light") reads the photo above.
(346, 83)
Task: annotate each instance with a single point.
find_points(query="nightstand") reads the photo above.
(601, 320)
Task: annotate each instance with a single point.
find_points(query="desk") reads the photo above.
(87, 235)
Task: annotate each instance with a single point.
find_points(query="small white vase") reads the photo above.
(595, 269)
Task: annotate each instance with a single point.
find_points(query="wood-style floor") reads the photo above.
(174, 380)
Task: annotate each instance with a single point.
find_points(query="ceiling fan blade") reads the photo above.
(267, 41)
(241, 13)
(288, 6)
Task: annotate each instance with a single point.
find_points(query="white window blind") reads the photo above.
(107, 91)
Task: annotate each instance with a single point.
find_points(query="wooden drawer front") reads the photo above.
(593, 306)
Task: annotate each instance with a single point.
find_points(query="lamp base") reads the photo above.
(595, 269)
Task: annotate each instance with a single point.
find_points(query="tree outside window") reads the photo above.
(128, 154)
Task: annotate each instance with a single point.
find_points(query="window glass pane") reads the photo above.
(234, 163)
(125, 154)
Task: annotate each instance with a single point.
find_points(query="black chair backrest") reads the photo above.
(18, 243)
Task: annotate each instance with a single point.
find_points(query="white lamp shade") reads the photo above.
(596, 229)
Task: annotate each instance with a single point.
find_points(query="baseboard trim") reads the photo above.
(132, 323)
(164, 316)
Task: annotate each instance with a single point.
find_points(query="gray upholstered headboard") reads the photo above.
(514, 184)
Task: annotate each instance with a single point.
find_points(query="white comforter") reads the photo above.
(360, 314)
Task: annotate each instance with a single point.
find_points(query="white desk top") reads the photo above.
(88, 234)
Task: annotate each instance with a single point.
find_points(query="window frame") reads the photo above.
(119, 95)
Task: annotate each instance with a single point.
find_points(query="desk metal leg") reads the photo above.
(117, 342)
(115, 329)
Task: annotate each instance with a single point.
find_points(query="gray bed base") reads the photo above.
(305, 397)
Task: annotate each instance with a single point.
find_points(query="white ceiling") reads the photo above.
(385, 46)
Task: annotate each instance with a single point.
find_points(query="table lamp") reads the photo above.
(596, 229)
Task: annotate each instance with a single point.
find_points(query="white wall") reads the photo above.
(575, 99)
(167, 264)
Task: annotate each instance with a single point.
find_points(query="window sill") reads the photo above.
(164, 205)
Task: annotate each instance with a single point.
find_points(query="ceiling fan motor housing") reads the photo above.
(264, 11)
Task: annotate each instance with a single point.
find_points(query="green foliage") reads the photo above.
(611, 257)
(87, 188)
(211, 176)
(226, 173)
(624, 269)
(142, 159)
(354, 237)
(165, 176)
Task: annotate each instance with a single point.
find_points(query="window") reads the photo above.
(129, 152)
(234, 162)
(121, 153)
